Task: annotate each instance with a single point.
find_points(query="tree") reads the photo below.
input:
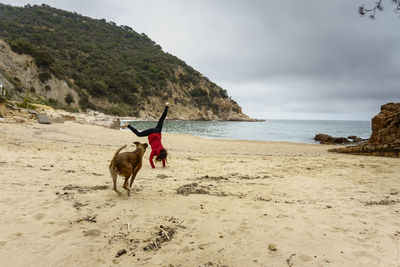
(362, 10)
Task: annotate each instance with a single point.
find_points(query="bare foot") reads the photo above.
(124, 126)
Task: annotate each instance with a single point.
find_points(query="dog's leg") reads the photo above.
(125, 186)
(114, 176)
(135, 171)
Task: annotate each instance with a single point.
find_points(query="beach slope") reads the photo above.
(217, 203)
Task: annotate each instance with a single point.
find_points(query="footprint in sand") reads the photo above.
(19, 234)
(2, 243)
(39, 216)
(92, 232)
(62, 231)
(305, 258)
(290, 229)
(191, 221)
(243, 226)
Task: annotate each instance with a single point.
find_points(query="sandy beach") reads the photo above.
(217, 203)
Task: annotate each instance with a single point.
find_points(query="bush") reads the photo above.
(21, 47)
(84, 103)
(15, 81)
(53, 102)
(69, 99)
(19, 89)
(197, 92)
(43, 58)
(44, 76)
(98, 89)
(26, 104)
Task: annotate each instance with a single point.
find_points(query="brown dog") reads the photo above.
(127, 164)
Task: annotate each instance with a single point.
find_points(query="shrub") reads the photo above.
(44, 76)
(84, 103)
(69, 99)
(53, 102)
(15, 81)
(43, 58)
(19, 89)
(25, 104)
(197, 92)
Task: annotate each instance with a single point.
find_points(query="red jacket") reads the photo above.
(156, 146)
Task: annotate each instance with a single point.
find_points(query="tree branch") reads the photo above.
(362, 10)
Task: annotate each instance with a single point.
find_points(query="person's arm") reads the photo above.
(151, 159)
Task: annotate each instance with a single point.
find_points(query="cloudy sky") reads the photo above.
(283, 59)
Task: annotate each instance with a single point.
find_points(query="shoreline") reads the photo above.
(20, 115)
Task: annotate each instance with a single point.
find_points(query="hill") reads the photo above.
(75, 62)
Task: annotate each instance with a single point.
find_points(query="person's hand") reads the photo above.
(124, 126)
(166, 104)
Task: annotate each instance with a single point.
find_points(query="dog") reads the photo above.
(127, 164)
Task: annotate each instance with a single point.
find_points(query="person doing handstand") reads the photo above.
(154, 135)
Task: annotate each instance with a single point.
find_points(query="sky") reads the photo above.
(285, 59)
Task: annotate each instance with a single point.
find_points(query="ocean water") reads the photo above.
(298, 131)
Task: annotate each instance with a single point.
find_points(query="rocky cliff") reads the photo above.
(385, 137)
(19, 76)
(386, 125)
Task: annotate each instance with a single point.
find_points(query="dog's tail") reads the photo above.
(112, 163)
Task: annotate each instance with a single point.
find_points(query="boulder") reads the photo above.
(327, 139)
(43, 118)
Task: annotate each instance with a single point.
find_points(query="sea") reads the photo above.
(297, 131)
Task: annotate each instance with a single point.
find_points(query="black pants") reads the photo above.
(157, 129)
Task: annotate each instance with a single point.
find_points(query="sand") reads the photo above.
(217, 203)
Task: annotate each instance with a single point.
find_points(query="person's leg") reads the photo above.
(146, 132)
(161, 120)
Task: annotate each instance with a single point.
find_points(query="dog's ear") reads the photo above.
(146, 145)
(136, 143)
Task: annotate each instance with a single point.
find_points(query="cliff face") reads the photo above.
(386, 125)
(20, 77)
(385, 137)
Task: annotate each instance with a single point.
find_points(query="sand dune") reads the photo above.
(218, 203)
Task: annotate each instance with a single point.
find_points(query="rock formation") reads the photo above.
(385, 137)
(327, 139)
(386, 125)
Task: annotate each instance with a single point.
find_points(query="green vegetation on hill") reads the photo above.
(101, 59)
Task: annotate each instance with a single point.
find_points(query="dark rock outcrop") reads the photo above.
(327, 139)
(385, 137)
(384, 150)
